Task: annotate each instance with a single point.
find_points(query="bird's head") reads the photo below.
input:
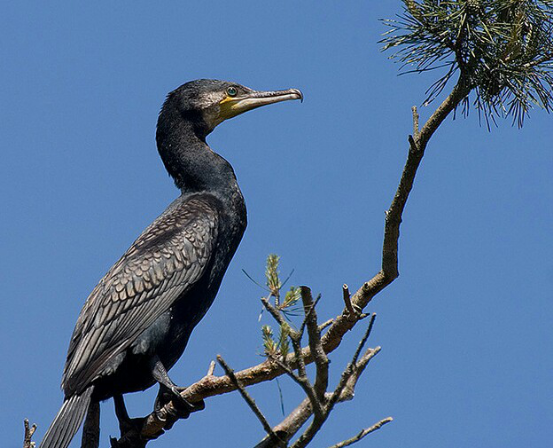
(209, 102)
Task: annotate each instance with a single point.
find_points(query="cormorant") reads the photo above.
(136, 322)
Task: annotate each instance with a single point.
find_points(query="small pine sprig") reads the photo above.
(283, 340)
(272, 276)
(291, 298)
(272, 347)
(288, 305)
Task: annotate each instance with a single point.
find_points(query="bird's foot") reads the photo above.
(131, 428)
(131, 434)
(181, 408)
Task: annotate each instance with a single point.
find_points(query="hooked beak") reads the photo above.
(232, 106)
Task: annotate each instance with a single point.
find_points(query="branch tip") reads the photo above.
(347, 301)
(363, 433)
(211, 368)
(29, 431)
(415, 121)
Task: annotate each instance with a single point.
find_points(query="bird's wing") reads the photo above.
(163, 263)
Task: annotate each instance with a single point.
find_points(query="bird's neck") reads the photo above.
(191, 162)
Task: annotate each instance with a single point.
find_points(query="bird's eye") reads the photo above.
(231, 91)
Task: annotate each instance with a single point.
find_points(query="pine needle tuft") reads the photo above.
(502, 50)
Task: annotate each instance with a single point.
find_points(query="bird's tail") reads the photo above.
(68, 421)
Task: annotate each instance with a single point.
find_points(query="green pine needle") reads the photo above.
(283, 341)
(291, 298)
(269, 345)
(503, 49)
(273, 275)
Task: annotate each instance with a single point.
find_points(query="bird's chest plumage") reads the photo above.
(193, 305)
(171, 331)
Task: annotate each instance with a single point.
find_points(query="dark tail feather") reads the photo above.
(68, 421)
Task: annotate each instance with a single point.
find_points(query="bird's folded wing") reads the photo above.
(162, 264)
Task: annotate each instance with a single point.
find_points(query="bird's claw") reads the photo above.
(131, 434)
(181, 408)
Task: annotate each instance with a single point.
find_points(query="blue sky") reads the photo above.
(465, 330)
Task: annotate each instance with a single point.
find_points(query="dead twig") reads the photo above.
(415, 121)
(273, 311)
(211, 368)
(347, 300)
(321, 360)
(363, 433)
(29, 431)
(297, 418)
(325, 324)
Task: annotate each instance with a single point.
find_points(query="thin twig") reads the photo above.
(415, 121)
(303, 382)
(316, 404)
(325, 324)
(363, 341)
(344, 391)
(29, 431)
(358, 369)
(363, 433)
(321, 360)
(347, 301)
(273, 311)
(354, 367)
(248, 399)
(307, 312)
(350, 376)
(297, 418)
(291, 424)
(546, 57)
(211, 368)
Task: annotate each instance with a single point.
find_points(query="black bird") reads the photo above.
(136, 322)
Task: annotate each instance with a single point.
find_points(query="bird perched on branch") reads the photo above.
(136, 323)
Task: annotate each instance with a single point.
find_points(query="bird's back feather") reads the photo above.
(162, 264)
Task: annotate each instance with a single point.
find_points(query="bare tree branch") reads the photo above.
(211, 368)
(273, 311)
(321, 360)
(389, 271)
(363, 433)
(325, 324)
(364, 339)
(306, 385)
(29, 431)
(297, 418)
(354, 367)
(416, 129)
(347, 300)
